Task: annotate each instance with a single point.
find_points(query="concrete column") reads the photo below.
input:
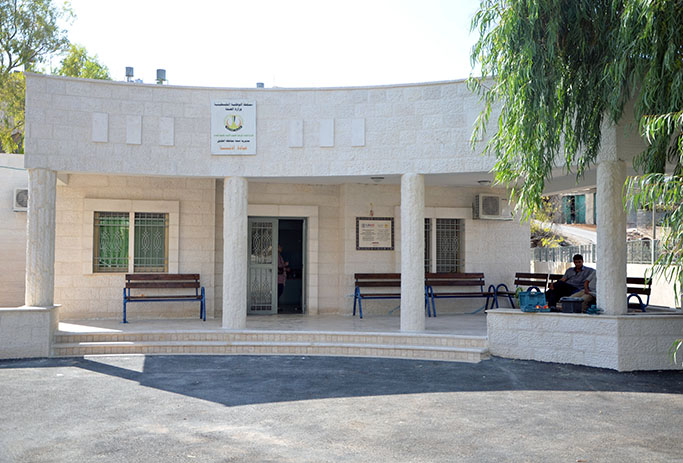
(611, 230)
(412, 252)
(235, 228)
(40, 242)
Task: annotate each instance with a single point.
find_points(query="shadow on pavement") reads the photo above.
(244, 380)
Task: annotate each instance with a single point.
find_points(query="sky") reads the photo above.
(296, 43)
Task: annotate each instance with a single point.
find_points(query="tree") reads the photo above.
(29, 33)
(561, 71)
(77, 63)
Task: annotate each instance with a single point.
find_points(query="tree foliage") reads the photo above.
(77, 63)
(12, 112)
(30, 32)
(561, 71)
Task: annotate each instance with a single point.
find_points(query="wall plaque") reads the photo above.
(374, 233)
(233, 127)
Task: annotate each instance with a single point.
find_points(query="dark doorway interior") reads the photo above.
(291, 238)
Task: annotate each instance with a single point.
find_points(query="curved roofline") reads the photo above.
(269, 89)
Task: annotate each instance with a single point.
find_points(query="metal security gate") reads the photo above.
(262, 269)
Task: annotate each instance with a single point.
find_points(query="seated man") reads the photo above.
(588, 293)
(570, 283)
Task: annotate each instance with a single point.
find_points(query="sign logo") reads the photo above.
(233, 123)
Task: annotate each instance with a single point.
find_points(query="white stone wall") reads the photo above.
(84, 294)
(12, 232)
(421, 128)
(27, 331)
(325, 281)
(618, 342)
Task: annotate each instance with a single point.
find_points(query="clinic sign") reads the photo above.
(233, 127)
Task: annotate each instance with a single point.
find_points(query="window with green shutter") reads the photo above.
(111, 242)
(113, 233)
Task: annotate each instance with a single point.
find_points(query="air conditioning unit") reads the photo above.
(20, 200)
(490, 207)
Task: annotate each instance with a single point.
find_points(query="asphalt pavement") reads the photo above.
(332, 409)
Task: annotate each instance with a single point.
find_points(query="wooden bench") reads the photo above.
(635, 287)
(388, 283)
(154, 281)
(470, 285)
(538, 281)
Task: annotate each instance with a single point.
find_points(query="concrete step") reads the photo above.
(280, 336)
(417, 346)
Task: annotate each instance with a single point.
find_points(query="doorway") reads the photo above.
(271, 288)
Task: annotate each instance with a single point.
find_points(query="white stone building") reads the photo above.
(102, 153)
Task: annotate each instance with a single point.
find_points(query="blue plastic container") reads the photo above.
(528, 300)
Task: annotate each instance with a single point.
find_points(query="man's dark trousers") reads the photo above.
(560, 289)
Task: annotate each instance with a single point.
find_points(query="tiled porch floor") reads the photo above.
(458, 324)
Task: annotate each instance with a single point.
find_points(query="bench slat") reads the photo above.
(142, 298)
(377, 284)
(377, 276)
(161, 276)
(645, 291)
(163, 284)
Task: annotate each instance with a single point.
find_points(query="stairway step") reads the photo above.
(272, 348)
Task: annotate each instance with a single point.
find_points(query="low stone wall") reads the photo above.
(27, 331)
(622, 342)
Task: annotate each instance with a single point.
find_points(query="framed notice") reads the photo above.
(374, 233)
(233, 127)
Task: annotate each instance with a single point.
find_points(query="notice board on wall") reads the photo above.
(374, 233)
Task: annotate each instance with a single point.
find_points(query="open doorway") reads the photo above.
(291, 241)
(275, 288)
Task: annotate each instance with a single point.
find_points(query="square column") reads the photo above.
(40, 243)
(412, 252)
(235, 229)
(611, 231)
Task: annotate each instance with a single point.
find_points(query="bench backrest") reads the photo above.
(539, 280)
(638, 285)
(162, 280)
(378, 280)
(455, 279)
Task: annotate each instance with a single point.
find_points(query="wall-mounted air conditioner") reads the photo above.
(490, 207)
(20, 200)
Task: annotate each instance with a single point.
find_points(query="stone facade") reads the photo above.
(12, 231)
(618, 342)
(84, 294)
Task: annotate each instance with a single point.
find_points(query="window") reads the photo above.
(111, 242)
(448, 245)
(112, 235)
(443, 246)
(151, 242)
(428, 240)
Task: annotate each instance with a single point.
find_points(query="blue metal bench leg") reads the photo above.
(202, 310)
(431, 296)
(125, 301)
(427, 308)
(357, 297)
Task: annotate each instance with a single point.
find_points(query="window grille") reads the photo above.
(150, 242)
(110, 245)
(449, 245)
(428, 241)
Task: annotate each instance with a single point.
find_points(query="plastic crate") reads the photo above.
(528, 300)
